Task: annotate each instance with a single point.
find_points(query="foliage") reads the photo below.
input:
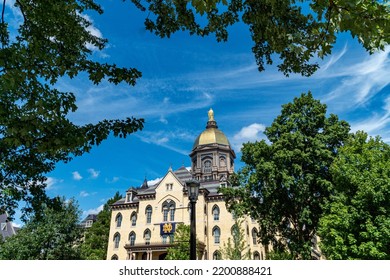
(356, 223)
(279, 255)
(94, 246)
(286, 181)
(54, 236)
(237, 248)
(297, 31)
(181, 245)
(52, 42)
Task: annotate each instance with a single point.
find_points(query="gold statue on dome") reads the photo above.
(211, 115)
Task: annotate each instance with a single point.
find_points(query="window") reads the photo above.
(207, 166)
(88, 223)
(147, 235)
(168, 207)
(254, 236)
(133, 219)
(132, 238)
(172, 212)
(148, 212)
(256, 255)
(114, 258)
(117, 238)
(216, 213)
(165, 214)
(217, 235)
(164, 239)
(118, 220)
(4, 226)
(217, 255)
(222, 161)
(169, 187)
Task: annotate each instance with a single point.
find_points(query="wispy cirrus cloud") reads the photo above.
(167, 139)
(361, 81)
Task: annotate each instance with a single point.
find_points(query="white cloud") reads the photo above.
(113, 180)
(360, 81)
(51, 182)
(76, 176)
(93, 210)
(93, 173)
(84, 194)
(93, 30)
(250, 133)
(154, 181)
(163, 138)
(376, 124)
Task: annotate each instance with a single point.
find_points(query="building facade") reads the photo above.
(143, 223)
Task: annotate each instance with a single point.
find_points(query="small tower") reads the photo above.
(212, 157)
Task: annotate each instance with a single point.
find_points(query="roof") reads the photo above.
(183, 174)
(6, 227)
(211, 135)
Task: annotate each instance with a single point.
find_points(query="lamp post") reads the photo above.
(193, 192)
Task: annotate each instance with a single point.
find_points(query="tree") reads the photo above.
(297, 31)
(237, 247)
(181, 244)
(54, 236)
(356, 222)
(181, 248)
(94, 246)
(286, 181)
(53, 41)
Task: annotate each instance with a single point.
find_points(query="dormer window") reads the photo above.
(129, 197)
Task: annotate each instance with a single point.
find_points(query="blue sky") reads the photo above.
(183, 77)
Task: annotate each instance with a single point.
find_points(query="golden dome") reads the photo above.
(212, 135)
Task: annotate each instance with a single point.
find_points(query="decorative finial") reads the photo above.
(211, 115)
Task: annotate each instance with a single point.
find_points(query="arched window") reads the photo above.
(217, 255)
(114, 257)
(147, 236)
(117, 238)
(148, 212)
(254, 236)
(133, 219)
(168, 207)
(217, 235)
(256, 255)
(118, 220)
(132, 238)
(216, 212)
(207, 166)
(222, 161)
